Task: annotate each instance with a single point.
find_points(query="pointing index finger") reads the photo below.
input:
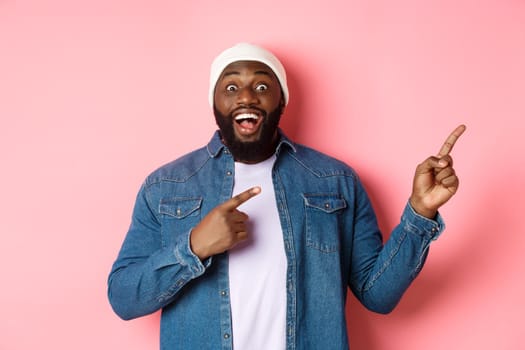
(242, 197)
(451, 140)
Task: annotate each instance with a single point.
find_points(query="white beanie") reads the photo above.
(247, 52)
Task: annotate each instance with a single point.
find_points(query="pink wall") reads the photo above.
(95, 94)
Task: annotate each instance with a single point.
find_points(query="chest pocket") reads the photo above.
(179, 215)
(322, 222)
(180, 207)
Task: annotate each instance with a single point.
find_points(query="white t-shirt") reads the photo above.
(257, 266)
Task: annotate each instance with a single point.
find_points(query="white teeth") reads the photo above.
(246, 116)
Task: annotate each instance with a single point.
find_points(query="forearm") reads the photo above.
(399, 261)
(138, 286)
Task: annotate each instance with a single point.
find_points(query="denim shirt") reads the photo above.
(331, 241)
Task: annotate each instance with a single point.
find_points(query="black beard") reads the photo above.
(252, 151)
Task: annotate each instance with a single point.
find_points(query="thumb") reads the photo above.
(432, 164)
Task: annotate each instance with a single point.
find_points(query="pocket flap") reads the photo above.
(179, 207)
(328, 203)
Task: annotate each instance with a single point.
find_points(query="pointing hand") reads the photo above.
(435, 181)
(223, 227)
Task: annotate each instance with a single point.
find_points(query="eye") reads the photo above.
(261, 87)
(231, 87)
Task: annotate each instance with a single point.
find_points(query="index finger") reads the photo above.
(451, 140)
(242, 197)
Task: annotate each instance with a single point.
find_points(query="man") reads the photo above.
(252, 241)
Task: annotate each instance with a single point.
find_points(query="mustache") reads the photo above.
(261, 111)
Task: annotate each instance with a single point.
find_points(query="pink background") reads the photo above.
(96, 94)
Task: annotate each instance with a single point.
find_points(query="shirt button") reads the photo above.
(226, 336)
(223, 293)
(229, 173)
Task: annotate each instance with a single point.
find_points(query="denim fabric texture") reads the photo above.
(331, 241)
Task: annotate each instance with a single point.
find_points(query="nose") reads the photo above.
(247, 96)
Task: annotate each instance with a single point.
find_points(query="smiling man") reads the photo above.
(252, 241)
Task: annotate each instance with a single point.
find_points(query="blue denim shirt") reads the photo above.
(330, 235)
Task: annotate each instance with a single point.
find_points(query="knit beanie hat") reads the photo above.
(247, 52)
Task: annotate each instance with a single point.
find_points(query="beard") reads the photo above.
(250, 151)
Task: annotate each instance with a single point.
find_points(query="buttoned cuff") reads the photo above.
(418, 224)
(186, 257)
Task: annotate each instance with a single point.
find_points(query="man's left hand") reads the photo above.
(435, 181)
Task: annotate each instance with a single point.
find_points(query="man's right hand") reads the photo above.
(223, 227)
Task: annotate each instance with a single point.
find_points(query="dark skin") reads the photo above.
(435, 180)
(251, 89)
(248, 104)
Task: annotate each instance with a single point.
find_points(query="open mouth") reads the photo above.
(248, 123)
